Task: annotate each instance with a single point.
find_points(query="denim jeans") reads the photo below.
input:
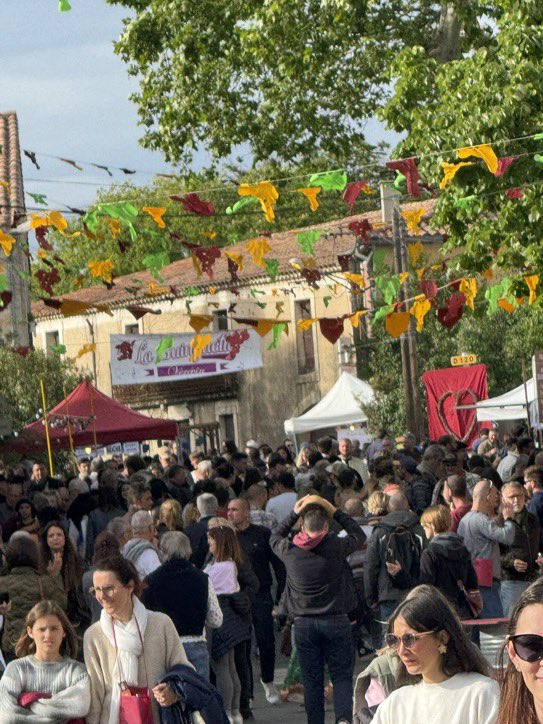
(198, 656)
(492, 606)
(510, 592)
(320, 640)
(265, 635)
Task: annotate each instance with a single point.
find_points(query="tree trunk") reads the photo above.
(446, 43)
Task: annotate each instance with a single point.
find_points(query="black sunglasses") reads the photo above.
(528, 647)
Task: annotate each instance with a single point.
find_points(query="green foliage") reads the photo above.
(20, 383)
(285, 77)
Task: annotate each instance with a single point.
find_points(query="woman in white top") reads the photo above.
(522, 686)
(454, 688)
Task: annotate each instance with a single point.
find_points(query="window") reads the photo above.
(52, 339)
(131, 329)
(305, 347)
(220, 321)
(228, 429)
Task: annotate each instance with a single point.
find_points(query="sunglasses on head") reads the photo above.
(528, 647)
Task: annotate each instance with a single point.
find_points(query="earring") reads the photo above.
(442, 648)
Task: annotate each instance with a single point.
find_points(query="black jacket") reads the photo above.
(319, 581)
(443, 563)
(525, 546)
(379, 585)
(180, 590)
(255, 544)
(421, 491)
(197, 534)
(196, 694)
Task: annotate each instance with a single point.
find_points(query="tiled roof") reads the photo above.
(336, 239)
(12, 201)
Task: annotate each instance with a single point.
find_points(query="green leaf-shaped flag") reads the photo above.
(272, 268)
(245, 201)
(64, 6)
(164, 344)
(400, 182)
(329, 180)
(59, 349)
(277, 331)
(307, 240)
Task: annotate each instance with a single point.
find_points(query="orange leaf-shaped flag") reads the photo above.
(396, 323)
(200, 321)
(85, 349)
(532, 282)
(414, 252)
(413, 219)
(6, 242)
(198, 344)
(421, 307)
(212, 290)
(450, 170)
(485, 152)
(114, 226)
(265, 192)
(506, 306)
(468, 287)
(311, 195)
(156, 213)
(155, 288)
(303, 324)
(102, 269)
(488, 274)
(257, 248)
(263, 326)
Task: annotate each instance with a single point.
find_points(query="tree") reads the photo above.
(288, 77)
(20, 383)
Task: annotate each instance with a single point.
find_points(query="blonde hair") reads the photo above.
(437, 516)
(26, 645)
(171, 514)
(378, 503)
(218, 522)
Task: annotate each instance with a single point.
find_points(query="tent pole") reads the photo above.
(530, 431)
(295, 444)
(70, 433)
(46, 423)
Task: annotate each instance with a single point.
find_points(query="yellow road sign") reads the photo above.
(463, 359)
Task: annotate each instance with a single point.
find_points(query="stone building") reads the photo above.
(243, 405)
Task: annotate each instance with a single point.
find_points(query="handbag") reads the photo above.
(484, 568)
(474, 599)
(27, 698)
(135, 701)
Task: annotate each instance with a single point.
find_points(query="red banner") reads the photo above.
(449, 389)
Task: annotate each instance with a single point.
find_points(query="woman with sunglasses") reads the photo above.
(130, 647)
(453, 686)
(522, 684)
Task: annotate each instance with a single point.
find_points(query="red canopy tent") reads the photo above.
(94, 417)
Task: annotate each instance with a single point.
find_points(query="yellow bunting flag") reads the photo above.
(114, 226)
(198, 344)
(421, 307)
(450, 170)
(413, 219)
(236, 258)
(73, 308)
(357, 279)
(257, 248)
(396, 323)
(154, 289)
(468, 287)
(355, 318)
(53, 218)
(506, 306)
(311, 195)
(197, 265)
(414, 251)
(212, 290)
(304, 324)
(102, 269)
(404, 276)
(85, 349)
(265, 192)
(6, 242)
(532, 282)
(156, 213)
(200, 321)
(485, 152)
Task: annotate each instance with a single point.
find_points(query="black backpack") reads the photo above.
(402, 546)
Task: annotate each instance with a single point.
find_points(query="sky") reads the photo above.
(59, 72)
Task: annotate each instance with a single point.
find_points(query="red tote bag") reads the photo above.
(484, 568)
(135, 703)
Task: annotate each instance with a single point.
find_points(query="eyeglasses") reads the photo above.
(408, 640)
(106, 591)
(528, 647)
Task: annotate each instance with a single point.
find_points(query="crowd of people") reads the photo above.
(172, 570)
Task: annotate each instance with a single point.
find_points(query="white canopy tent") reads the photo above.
(340, 406)
(509, 406)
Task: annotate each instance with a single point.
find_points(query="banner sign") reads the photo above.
(138, 359)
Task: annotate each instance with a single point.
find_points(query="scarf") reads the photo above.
(129, 649)
(307, 542)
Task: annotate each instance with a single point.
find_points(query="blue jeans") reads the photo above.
(492, 606)
(510, 592)
(198, 656)
(320, 640)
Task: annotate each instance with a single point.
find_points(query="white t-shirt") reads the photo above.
(147, 563)
(462, 699)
